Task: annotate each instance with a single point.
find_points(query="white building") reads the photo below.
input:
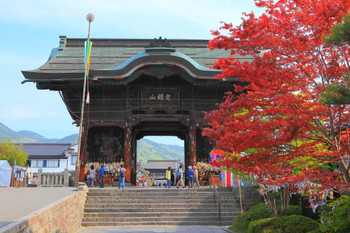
(157, 168)
(50, 157)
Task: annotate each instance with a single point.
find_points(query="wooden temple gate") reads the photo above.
(136, 88)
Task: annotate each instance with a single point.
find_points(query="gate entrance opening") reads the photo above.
(154, 155)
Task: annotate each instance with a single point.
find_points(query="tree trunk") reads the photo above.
(344, 170)
(285, 198)
(271, 200)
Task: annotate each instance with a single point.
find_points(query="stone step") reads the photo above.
(158, 201)
(160, 198)
(161, 206)
(148, 195)
(169, 223)
(188, 206)
(180, 191)
(157, 219)
(153, 189)
(163, 196)
(158, 214)
(153, 210)
(185, 194)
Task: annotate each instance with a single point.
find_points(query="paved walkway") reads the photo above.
(16, 203)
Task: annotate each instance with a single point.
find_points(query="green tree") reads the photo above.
(11, 152)
(340, 33)
(338, 93)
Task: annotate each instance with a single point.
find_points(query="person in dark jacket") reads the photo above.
(190, 176)
(101, 175)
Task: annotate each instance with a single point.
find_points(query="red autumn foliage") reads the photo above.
(274, 117)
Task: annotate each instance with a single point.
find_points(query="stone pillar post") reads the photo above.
(40, 171)
(66, 178)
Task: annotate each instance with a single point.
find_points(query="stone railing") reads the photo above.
(53, 179)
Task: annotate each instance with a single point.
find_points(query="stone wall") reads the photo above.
(250, 196)
(63, 217)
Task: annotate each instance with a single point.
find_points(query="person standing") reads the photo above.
(172, 179)
(180, 177)
(196, 181)
(101, 175)
(121, 172)
(190, 176)
(91, 176)
(168, 177)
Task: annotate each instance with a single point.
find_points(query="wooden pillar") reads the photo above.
(82, 155)
(193, 143)
(127, 152)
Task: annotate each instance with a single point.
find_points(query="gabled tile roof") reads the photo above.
(45, 150)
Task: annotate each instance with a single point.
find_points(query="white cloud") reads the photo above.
(16, 112)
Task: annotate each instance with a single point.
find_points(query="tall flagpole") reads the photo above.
(90, 17)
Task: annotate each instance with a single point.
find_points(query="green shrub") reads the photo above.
(294, 210)
(335, 216)
(257, 211)
(284, 224)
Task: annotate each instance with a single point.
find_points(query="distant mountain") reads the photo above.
(6, 133)
(33, 136)
(150, 150)
(26, 136)
(146, 149)
(72, 139)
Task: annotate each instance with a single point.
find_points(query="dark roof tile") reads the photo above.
(45, 150)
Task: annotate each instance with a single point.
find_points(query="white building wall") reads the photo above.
(67, 162)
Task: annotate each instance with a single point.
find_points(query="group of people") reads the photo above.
(177, 180)
(91, 176)
(192, 176)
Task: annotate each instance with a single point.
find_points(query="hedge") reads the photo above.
(284, 224)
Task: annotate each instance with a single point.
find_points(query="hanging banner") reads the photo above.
(227, 178)
(88, 46)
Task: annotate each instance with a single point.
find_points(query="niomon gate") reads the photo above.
(137, 88)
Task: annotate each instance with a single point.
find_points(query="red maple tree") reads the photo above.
(273, 125)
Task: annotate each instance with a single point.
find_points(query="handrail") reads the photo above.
(216, 196)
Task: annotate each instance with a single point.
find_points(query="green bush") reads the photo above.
(257, 211)
(335, 216)
(284, 224)
(294, 210)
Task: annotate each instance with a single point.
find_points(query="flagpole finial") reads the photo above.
(90, 17)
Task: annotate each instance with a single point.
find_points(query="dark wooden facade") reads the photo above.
(137, 88)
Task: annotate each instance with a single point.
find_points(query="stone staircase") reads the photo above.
(161, 206)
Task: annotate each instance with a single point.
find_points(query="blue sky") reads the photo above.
(31, 28)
